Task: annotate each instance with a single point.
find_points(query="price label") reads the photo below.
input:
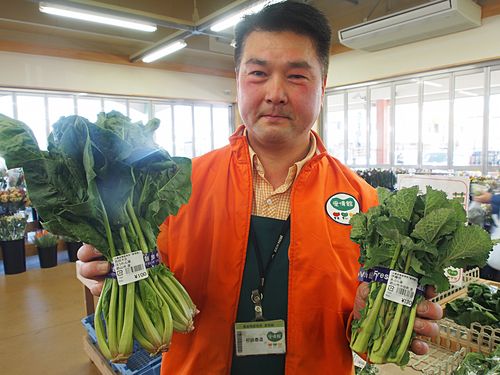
(455, 276)
(358, 361)
(130, 267)
(401, 288)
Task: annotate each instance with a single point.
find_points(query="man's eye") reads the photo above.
(257, 73)
(297, 76)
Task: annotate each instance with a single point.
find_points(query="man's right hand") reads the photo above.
(91, 268)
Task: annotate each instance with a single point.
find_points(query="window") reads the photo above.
(165, 132)
(59, 106)
(221, 120)
(406, 123)
(432, 122)
(31, 111)
(115, 105)
(335, 125)
(183, 130)
(494, 121)
(139, 111)
(6, 104)
(89, 107)
(380, 126)
(468, 115)
(186, 128)
(357, 128)
(435, 121)
(203, 129)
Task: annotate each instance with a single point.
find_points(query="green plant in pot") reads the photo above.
(12, 228)
(72, 245)
(46, 243)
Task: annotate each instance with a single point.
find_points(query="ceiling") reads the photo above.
(24, 29)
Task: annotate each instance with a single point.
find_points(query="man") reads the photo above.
(273, 190)
(489, 198)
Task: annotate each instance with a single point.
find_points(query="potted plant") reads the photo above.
(12, 229)
(12, 200)
(72, 245)
(46, 243)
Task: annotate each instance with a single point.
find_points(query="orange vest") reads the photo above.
(205, 246)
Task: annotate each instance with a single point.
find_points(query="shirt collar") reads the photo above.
(313, 150)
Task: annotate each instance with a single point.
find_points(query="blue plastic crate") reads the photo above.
(139, 363)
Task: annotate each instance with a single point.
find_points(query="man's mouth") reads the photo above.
(275, 116)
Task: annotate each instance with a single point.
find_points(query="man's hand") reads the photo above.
(483, 198)
(91, 268)
(426, 312)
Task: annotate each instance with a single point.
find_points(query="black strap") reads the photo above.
(264, 270)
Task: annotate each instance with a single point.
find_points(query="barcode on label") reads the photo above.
(405, 292)
(133, 269)
(239, 342)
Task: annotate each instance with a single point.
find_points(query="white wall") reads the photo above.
(43, 72)
(478, 44)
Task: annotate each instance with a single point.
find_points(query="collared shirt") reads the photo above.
(270, 202)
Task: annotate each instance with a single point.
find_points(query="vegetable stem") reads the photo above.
(126, 341)
(137, 227)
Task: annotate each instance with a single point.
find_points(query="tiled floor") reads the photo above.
(40, 314)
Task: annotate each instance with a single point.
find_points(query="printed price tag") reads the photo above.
(358, 361)
(401, 288)
(130, 267)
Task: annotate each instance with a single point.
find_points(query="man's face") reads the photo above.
(280, 87)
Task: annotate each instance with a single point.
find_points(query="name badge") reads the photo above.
(262, 337)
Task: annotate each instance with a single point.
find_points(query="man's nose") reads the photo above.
(276, 91)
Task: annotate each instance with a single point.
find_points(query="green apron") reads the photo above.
(275, 300)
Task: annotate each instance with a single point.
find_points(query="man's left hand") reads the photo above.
(427, 312)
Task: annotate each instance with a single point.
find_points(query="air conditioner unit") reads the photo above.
(421, 22)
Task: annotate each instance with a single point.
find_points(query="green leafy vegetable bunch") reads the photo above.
(480, 364)
(108, 184)
(418, 235)
(367, 370)
(481, 305)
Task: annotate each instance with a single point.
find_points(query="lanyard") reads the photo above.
(258, 294)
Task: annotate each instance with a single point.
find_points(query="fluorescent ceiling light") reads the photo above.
(234, 19)
(87, 15)
(164, 51)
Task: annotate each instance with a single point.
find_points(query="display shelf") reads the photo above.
(438, 361)
(470, 276)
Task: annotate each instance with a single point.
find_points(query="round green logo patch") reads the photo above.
(341, 207)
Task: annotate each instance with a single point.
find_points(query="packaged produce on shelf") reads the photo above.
(482, 305)
(479, 364)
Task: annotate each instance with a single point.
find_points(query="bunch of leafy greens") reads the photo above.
(108, 184)
(481, 305)
(480, 364)
(419, 235)
(367, 370)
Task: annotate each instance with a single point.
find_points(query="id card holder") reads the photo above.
(260, 337)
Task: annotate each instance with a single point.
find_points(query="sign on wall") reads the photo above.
(454, 186)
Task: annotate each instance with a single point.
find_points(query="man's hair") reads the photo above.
(299, 18)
